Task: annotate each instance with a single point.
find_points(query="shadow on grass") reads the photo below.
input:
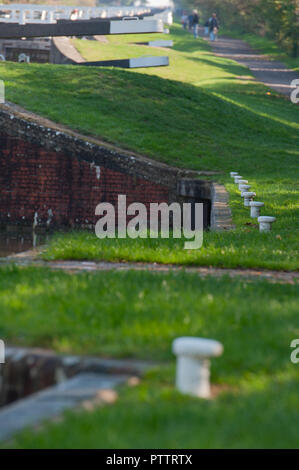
(229, 67)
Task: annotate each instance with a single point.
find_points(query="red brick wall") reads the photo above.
(33, 179)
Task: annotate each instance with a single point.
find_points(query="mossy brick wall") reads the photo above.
(40, 179)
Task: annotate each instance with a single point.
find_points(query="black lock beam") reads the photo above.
(79, 28)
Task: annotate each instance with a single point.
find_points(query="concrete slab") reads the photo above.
(54, 400)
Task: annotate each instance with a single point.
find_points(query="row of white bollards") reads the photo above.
(194, 354)
(265, 222)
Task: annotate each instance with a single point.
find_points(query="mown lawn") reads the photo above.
(202, 112)
(244, 247)
(138, 314)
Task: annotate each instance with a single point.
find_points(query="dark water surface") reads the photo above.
(15, 242)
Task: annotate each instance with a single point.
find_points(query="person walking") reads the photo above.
(207, 25)
(184, 20)
(213, 27)
(195, 21)
(190, 21)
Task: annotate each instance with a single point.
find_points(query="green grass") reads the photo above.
(116, 314)
(204, 113)
(200, 113)
(129, 314)
(244, 247)
(262, 414)
(265, 46)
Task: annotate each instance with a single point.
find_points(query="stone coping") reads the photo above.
(51, 402)
(221, 214)
(28, 372)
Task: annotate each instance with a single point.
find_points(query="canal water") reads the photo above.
(17, 242)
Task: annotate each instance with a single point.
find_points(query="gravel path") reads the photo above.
(271, 72)
(30, 259)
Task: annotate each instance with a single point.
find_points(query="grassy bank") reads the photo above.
(202, 112)
(115, 314)
(244, 247)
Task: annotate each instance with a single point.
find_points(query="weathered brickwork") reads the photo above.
(61, 188)
(54, 177)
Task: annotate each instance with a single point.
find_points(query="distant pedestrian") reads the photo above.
(207, 25)
(184, 20)
(213, 27)
(195, 21)
(190, 22)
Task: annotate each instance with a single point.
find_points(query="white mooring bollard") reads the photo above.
(241, 182)
(193, 364)
(244, 187)
(265, 222)
(248, 196)
(255, 208)
(237, 178)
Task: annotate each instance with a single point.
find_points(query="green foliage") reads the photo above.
(281, 22)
